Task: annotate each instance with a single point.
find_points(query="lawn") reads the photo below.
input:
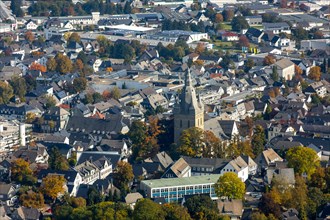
(226, 26)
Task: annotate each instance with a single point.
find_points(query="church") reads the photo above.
(188, 110)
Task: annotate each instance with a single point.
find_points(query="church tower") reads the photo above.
(188, 111)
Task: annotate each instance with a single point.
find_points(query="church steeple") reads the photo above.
(188, 111)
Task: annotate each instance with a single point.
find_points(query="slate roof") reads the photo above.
(95, 126)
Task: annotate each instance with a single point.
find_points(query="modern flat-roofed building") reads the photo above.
(174, 189)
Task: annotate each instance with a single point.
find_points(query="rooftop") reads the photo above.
(194, 180)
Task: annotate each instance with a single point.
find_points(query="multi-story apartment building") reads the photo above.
(13, 134)
(174, 189)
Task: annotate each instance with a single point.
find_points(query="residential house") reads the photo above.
(92, 170)
(36, 155)
(267, 158)
(278, 27)
(55, 119)
(205, 166)
(254, 34)
(318, 88)
(162, 158)
(285, 68)
(229, 36)
(132, 198)
(254, 20)
(178, 169)
(238, 166)
(25, 213)
(232, 208)
(31, 25)
(7, 194)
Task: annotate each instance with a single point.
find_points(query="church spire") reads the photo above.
(188, 81)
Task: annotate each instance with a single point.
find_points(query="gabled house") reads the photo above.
(31, 25)
(55, 119)
(232, 208)
(178, 169)
(205, 166)
(238, 166)
(285, 68)
(25, 213)
(7, 193)
(266, 158)
(254, 34)
(36, 155)
(278, 27)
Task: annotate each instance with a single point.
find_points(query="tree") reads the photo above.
(175, 212)
(32, 199)
(15, 6)
(258, 140)
(200, 48)
(21, 172)
(258, 216)
(269, 60)
(239, 23)
(74, 37)
(249, 65)
(39, 67)
(243, 41)
(19, 86)
(79, 84)
(228, 14)
(52, 185)
(50, 101)
(93, 196)
(269, 206)
(56, 160)
(315, 73)
(274, 74)
(51, 64)
(79, 65)
(29, 36)
(318, 179)
(115, 93)
(191, 142)
(303, 160)
(230, 185)
(6, 92)
(318, 34)
(63, 63)
(147, 209)
(201, 207)
(124, 175)
(218, 18)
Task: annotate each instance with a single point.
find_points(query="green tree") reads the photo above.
(19, 86)
(228, 14)
(93, 196)
(191, 142)
(175, 212)
(274, 74)
(6, 92)
(50, 101)
(230, 185)
(15, 6)
(258, 216)
(258, 140)
(115, 93)
(79, 84)
(56, 160)
(239, 23)
(303, 160)
(147, 209)
(202, 207)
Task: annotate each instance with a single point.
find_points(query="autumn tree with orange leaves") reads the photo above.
(39, 67)
(144, 137)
